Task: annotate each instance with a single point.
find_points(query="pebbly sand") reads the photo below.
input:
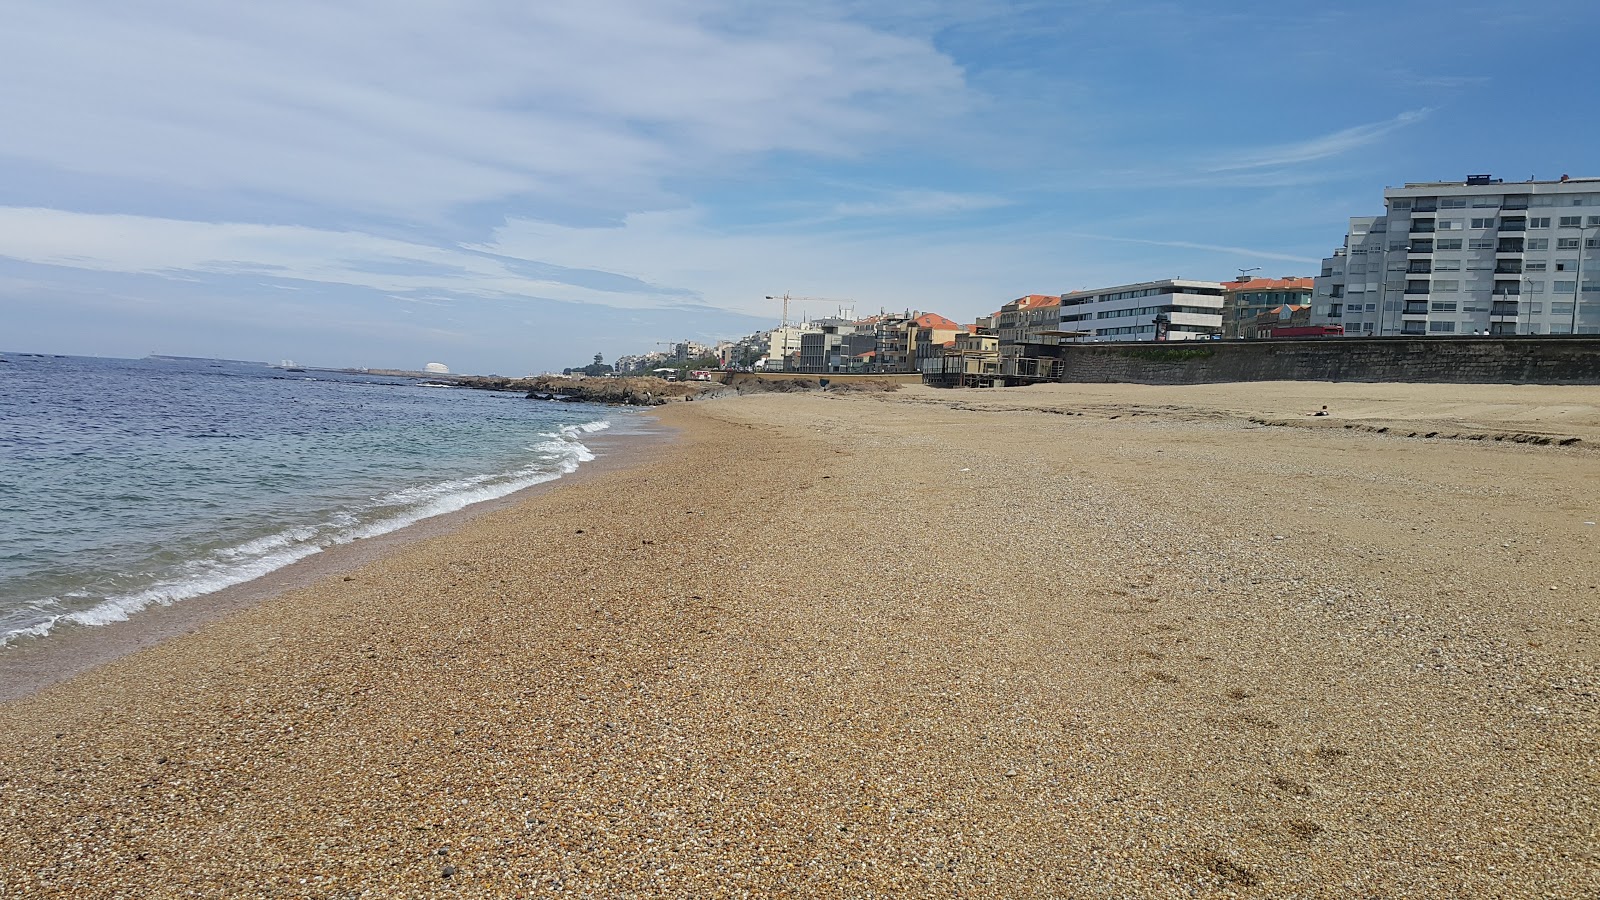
(1064, 641)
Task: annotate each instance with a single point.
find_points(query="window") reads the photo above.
(1545, 200)
(1447, 265)
(1371, 307)
(1566, 243)
(1566, 287)
(1455, 224)
(1443, 306)
(1452, 203)
(1533, 287)
(1480, 244)
(1447, 244)
(1400, 203)
(1482, 223)
(1594, 220)
(1446, 287)
(1534, 267)
(1482, 202)
(1539, 222)
(1567, 221)
(1592, 243)
(1538, 243)
(1441, 327)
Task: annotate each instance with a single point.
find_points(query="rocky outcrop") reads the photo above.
(614, 391)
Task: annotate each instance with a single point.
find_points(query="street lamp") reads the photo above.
(1577, 286)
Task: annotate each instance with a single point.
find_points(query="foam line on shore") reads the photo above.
(562, 453)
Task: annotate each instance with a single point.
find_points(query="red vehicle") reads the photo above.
(1302, 331)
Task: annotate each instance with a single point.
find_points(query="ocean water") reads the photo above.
(130, 483)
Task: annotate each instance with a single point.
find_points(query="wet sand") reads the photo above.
(1098, 641)
(34, 665)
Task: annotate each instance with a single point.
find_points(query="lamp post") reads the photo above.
(1577, 286)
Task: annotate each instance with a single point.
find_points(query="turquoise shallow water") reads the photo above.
(128, 483)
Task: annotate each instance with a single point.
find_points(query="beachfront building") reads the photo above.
(893, 342)
(783, 347)
(1022, 322)
(971, 359)
(1172, 309)
(830, 346)
(1285, 320)
(1246, 298)
(1477, 256)
(930, 333)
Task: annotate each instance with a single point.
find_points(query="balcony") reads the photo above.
(1416, 287)
(1514, 224)
(1420, 247)
(1503, 310)
(1420, 267)
(1507, 289)
(1515, 201)
(1422, 226)
(1414, 309)
(1509, 245)
(1508, 267)
(1414, 328)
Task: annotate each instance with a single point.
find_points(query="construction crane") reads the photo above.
(786, 298)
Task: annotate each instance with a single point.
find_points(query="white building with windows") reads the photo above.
(1128, 312)
(1478, 256)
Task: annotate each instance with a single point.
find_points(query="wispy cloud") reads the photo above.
(1191, 245)
(918, 203)
(1317, 148)
(179, 249)
(352, 107)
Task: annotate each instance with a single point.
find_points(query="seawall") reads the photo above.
(1470, 360)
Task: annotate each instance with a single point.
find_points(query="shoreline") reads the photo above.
(26, 669)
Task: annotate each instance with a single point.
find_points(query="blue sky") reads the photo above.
(512, 187)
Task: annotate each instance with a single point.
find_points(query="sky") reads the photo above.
(511, 187)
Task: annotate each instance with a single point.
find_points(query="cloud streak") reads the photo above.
(1210, 248)
(1319, 148)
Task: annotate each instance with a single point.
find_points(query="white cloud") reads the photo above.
(182, 249)
(356, 106)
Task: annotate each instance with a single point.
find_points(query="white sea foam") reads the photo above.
(561, 454)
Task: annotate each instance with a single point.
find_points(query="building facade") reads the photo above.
(1478, 256)
(1247, 298)
(1183, 309)
(1022, 322)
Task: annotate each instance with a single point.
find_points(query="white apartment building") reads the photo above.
(1128, 312)
(1478, 256)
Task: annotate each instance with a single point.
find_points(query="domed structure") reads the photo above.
(436, 369)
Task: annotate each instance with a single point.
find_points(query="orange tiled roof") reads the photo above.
(1038, 301)
(1268, 284)
(936, 321)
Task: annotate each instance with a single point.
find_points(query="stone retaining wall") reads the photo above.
(1470, 360)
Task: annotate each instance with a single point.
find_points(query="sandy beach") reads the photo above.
(1060, 641)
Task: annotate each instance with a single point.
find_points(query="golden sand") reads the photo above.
(1097, 641)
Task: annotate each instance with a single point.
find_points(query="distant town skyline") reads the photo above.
(511, 188)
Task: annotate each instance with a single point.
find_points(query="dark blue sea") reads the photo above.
(129, 483)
